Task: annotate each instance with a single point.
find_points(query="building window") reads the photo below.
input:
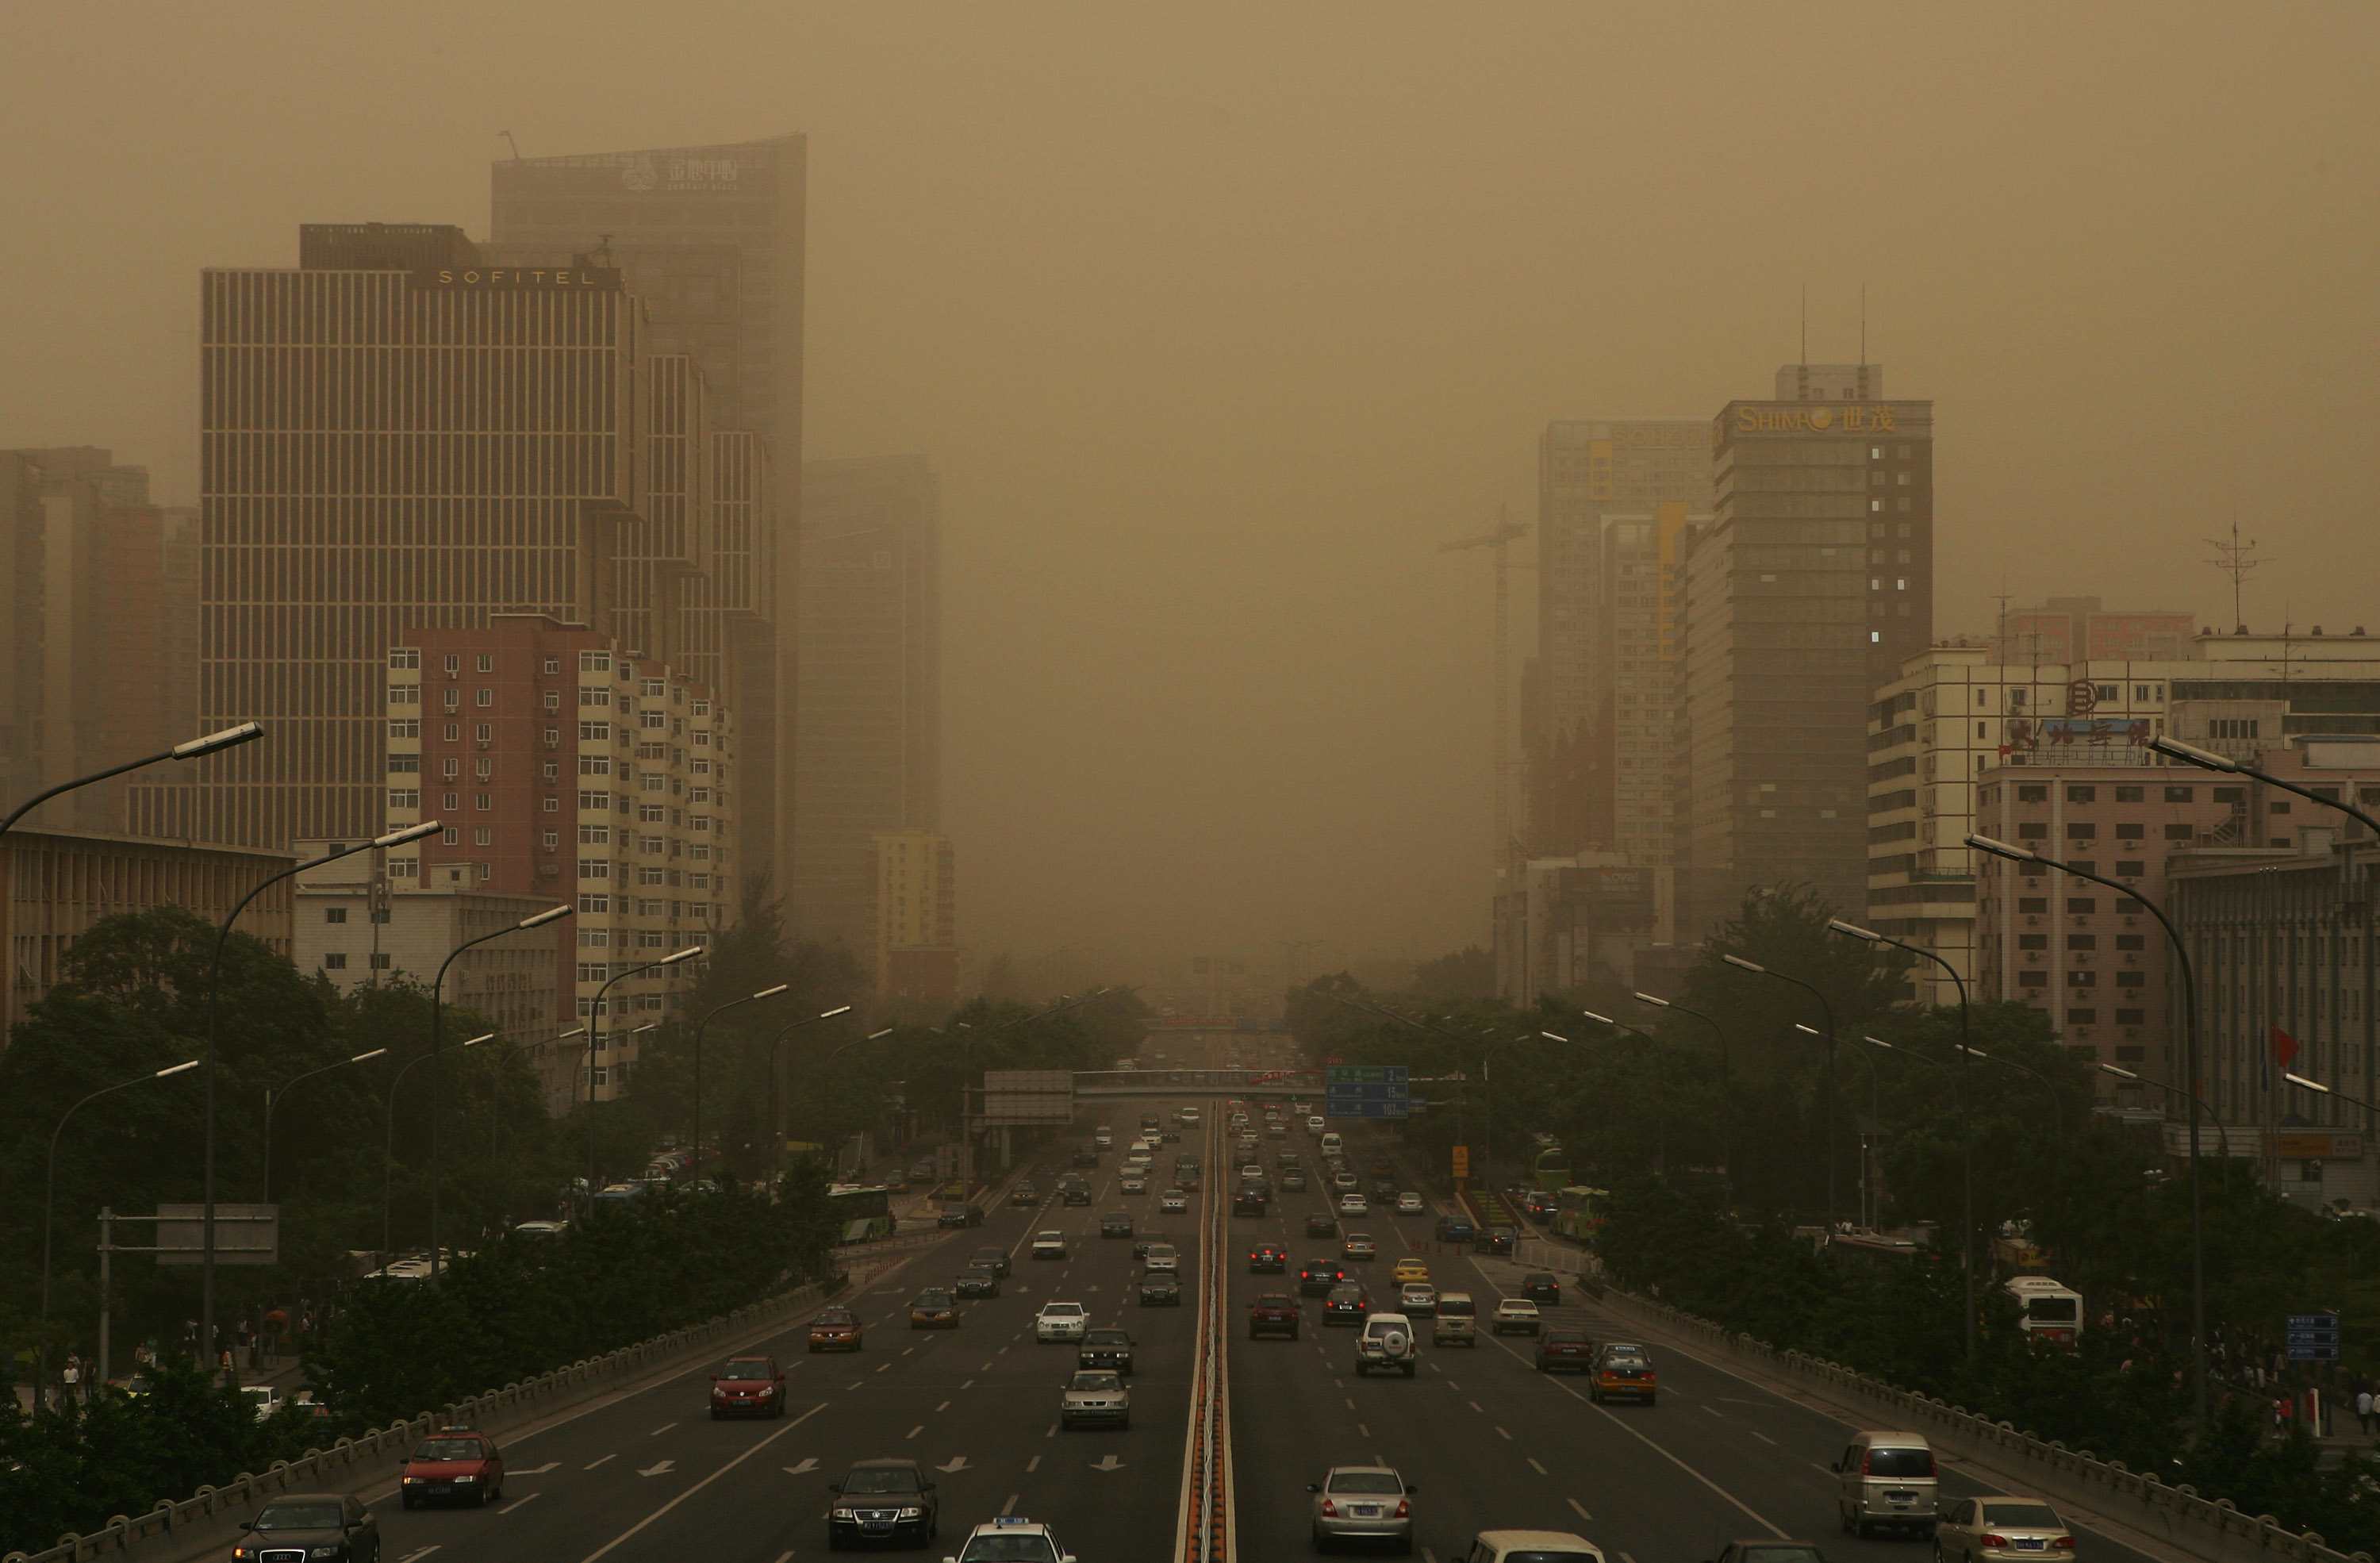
(2030, 978)
(454, 733)
(595, 835)
(2081, 1017)
(594, 869)
(334, 914)
(552, 805)
(552, 703)
(450, 802)
(589, 799)
(2131, 1017)
(483, 835)
(2033, 831)
(399, 763)
(595, 765)
(2082, 905)
(549, 839)
(483, 801)
(405, 797)
(403, 657)
(595, 695)
(487, 697)
(2080, 830)
(380, 961)
(594, 661)
(2131, 868)
(2034, 792)
(486, 732)
(2082, 941)
(2082, 977)
(2033, 941)
(594, 902)
(2132, 979)
(454, 836)
(334, 961)
(594, 732)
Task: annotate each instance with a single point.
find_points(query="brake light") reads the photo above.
(1404, 1509)
(1330, 1510)
(2063, 1543)
(1995, 1540)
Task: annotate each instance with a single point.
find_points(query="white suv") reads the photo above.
(1387, 1342)
(1060, 1321)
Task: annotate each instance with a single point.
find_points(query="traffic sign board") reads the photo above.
(1364, 1091)
(2312, 1338)
(1463, 1161)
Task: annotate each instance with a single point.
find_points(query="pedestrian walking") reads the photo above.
(2363, 1408)
(72, 1374)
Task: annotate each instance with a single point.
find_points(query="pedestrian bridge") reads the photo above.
(1118, 1083)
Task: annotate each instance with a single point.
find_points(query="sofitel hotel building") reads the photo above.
(409, 449)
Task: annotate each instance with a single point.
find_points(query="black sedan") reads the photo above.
(1160, 1290)
(1318, 1277)
(1109, 1349)
(979, 1280)
(1322, 1224)
(314, 1524)
(1348, 1302)
(1539, 1286)
(994, 1259)
(1116, 1224)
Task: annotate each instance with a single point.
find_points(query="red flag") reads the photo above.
(2284, 1047)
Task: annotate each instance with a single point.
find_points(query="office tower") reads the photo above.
(568, 770)
(915, 947)
(712, 239)
(868, 740)
(1589, 472)
(96, 603)
(1807, 590)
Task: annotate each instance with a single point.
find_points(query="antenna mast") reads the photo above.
(2238, 560)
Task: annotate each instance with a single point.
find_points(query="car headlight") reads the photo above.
(322, 1552)
(413, 1480)
(912, 1513)
(460, 1480)
(846, 1514)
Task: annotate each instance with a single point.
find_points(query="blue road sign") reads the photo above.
(1365, 1091)
(2312, 1338)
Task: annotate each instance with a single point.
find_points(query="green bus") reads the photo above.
(864, 1210)
(1550, 1170)
(1580, 1212)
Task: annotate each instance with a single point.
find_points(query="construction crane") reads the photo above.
(1500, 540)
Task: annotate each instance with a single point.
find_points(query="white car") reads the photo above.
(1172, 1201)
(263, 1397)
(1355, 1245)
(1516, 1316)
(1163, 1258)
(1012, 1538)
(1060, 1321)
(1417, 1300)
(1095, 1395)
(1314, 1123)
(1050, 1245)
(1189, 1117)
(1409, 1203)
(1132, 1183)
(1354, 1205)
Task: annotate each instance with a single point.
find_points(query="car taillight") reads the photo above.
(1404, 1508)
(2063, 1543)
(1995, 1541)
(1330, 1510)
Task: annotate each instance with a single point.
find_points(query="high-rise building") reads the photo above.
(917, 919)
(1588, 473)
(96, 606)
(867, 738)
(712, 238)
(391, 450)
(1809, 588)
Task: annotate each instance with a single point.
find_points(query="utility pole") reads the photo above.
(2238, 560)
(1500, 539)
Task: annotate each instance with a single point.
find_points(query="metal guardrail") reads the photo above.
(1205, 1515)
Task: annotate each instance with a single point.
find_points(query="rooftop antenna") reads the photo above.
(510, 142)
(2237, 560)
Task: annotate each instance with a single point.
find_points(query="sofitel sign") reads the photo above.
(1822, 419)
(550, 279)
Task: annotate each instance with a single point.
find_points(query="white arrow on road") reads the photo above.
(661, 1469)
(1108, 1462)
(536, 1469)
(804, 1469)
(958, 1463)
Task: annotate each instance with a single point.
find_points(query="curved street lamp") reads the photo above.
(214, 742)
(214, 988)
(388, 1142)
(1726, 1095)
(1660, 1086)
(595, 1014)
(700, 1027)
(777, 1075)
(272, 1100)
(1739, 963)
(2206, 760)
(1875, 1110)
(2203, 1395)
(49, 1188)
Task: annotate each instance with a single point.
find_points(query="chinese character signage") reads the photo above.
(1364, 1091)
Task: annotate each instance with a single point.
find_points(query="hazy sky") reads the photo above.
(1217, 318)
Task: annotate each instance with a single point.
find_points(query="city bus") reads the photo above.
(2051, 1312)
(1580, 1212)
(865, 1210)
(1551, 1171)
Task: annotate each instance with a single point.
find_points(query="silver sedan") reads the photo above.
(1363, 1503)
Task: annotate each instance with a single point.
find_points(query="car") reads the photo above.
(1539, 1286)
(1075, 1193)
(1318, 1277)
(1116, 1224)
(1623, 1368)
(1348, 1302)
(1105, 1347)
(754, 1385)
(1345, 1183)
(1356, 1246)
(1354, 1205)
(1189, 1117)
(1144, 1242)
(1161, 1289)
(1025, 1193)
(1971, 1529)
(978, 1280)
(1558, 1546)
(923, 1172)
(1516, 1316)
(1409, 1269)
(263, 1397)
(1172, 1201)
(1086, 1156)
(1251, 1200)
(1095, 1397)
(1163, 1256)
(1384, 1192)
(935, 1308)
(1277, 1131)
(1366, 1503)
(1012, 1538)
(1314, 1123)
(454, 1464)
(1049, 1245)
(1389, 1342)
(991, 1257)
(1321, 1223)
(1565, 1351)
(882, 1500)
(1293, 1179)
(1495, 1241)
(1060, 1321)
(1409, 1204)
(320, 1525)
(1267, 1259)
(835, 1329)
(1886, 1479)
(1455, 1228)
(960, 1213)
(1455, 1322)
(1417, 1300)
(1170, 1135)
(1274, 1313)
(1132, 1184)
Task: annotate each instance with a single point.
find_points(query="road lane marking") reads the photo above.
(1362, 1431)
(785, 1558)
(1350, 1404)
(607, 1547)
(1507, 1437)
(943, 1407)
(518, 1501)
(968, 1385)
(1539, 1469)
(1053, 1433)
(1032, 1465)
(1581, 1511)
(1009, 1507)
(905, 1351)
(1474, 1406)
(854, 1384)
(662, 1429)
(412, 1556)
(601, 1462)
(536, 1470)
(1761, 1436)
(804, 1469)
(662, 1468)
(1720, 1414)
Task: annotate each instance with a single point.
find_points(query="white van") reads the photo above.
(1332, 1144)
(1457, 1319)
(1886, 1478)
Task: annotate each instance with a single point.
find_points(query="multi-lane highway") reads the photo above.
(1489, 1441)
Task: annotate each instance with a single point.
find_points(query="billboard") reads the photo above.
(1365, 1091)
(1027, 1096)
(245, 1234)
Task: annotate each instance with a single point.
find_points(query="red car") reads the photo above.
(1267, 1258)
(1275, 1313)
(1564, 1350)
(748, 1385)
(454, 1464)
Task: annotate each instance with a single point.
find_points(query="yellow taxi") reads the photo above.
(836, 1329)
(1409, 1271)
(934, 1309)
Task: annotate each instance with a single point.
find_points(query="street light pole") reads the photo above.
(1726, 1098)
(827, 1075)
(777, 1092)
(1966, 1112)
(1829, 1009)
(49, 1190)
(1875, 1110)
(214, 989)
(1660, 1087)
(437, 1012)
(272, 1100)
(2190, 1035)
(702, 1026)
(2220, 1127)
(214, 742)
(388, 1144)
(595, 1016)
(2056, 1112)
